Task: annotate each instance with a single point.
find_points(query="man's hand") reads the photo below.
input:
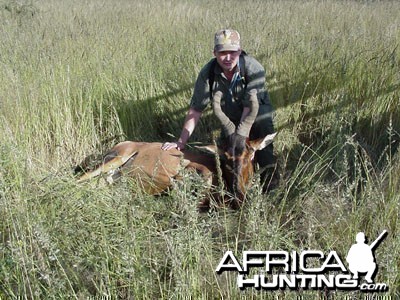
(237, 144)
(173, 145)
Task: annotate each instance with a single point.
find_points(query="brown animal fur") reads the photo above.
(237, 170)
(155, 169)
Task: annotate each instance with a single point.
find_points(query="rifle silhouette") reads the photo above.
(378, 240)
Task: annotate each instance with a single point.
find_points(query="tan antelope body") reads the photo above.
(156, 169)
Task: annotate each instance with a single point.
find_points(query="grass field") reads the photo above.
(79, 76)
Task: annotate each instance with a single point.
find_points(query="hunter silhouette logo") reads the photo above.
(308, 269)
(361, 256)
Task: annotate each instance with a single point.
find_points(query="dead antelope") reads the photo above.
(156, 169)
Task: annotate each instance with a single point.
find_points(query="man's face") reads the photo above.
(227, 59)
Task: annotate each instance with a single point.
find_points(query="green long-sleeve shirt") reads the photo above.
(234, 96)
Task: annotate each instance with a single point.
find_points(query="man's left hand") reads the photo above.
(174, 145)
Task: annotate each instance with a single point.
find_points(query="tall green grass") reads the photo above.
(77, 77)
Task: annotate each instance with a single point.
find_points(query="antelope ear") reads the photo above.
(261, 143)
(252, 154)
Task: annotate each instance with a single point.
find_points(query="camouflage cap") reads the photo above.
(227, 40)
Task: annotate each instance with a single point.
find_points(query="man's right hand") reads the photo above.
(174, 145)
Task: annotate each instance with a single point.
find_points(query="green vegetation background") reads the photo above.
(79, 76)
